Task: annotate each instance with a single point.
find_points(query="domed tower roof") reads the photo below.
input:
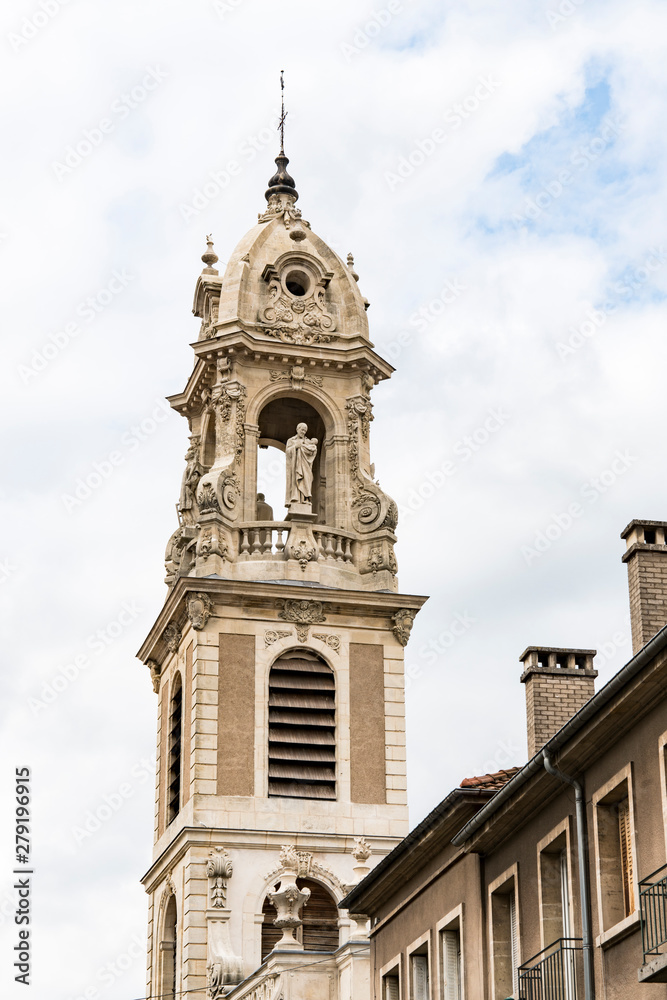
(283, 282)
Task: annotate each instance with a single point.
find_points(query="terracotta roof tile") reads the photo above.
(495, 780)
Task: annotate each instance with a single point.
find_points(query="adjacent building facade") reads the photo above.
(277, 659)
(550, 882)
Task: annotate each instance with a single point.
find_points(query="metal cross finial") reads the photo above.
(283, 113)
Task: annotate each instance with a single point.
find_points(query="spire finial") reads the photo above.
(281, 183)
(210, 257)
(283, 113)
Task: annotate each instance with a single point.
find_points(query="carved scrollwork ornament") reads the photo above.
(332, 641)
(403, 622)
(155, 674)
(230, 488)
(199, 609)
(172, 636)
(302, 614)
(207, 499)
(219, 869)
(274, 635)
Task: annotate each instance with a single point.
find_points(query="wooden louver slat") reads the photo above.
(302, 727)
(174, 750)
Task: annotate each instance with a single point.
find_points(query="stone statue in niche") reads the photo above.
(300, 452)
(191, 476)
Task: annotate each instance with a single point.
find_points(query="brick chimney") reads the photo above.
(558, 683)
(646, 556)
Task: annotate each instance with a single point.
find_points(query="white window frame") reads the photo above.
(394, 965)
(453, 921)
(662, 752)
(425, 939)
(565, 826)
(627, 924)
(509, 875)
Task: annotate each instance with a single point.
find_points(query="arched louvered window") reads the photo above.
(302, 727)
(319, 927)
(174, 750)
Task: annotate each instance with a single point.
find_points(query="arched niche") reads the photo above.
(167, 951)
(319, 921)
(277, 421)
(207, 456)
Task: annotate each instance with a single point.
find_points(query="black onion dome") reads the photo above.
(281, 182)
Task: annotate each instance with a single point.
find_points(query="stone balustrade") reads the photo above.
(266, 540)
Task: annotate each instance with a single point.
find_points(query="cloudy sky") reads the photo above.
(498, 171)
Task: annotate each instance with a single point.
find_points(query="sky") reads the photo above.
(498, 172)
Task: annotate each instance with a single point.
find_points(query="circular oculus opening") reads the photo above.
(297, 283)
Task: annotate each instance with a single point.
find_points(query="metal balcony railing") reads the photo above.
(653, 912)
(553, 974)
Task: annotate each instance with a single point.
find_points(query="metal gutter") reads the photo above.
(577, 722)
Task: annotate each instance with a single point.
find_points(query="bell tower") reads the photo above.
(277, 658)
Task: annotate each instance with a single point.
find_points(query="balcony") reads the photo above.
(554, 973)
(653, 913)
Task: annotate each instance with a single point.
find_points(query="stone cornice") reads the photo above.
(263, 597)
(263, 840)
(352, 355)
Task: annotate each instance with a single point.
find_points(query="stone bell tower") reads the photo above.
(278, 655)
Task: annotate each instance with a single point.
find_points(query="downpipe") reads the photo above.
(584, 887)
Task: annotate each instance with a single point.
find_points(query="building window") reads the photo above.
(174, 749)
(302, 727)
(505, 940)
(555, 891)
(419, 975)
(450, 963)
(615, 850)
(391, 985)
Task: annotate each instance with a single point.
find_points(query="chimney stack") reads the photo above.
(558, 683)
(646, 556)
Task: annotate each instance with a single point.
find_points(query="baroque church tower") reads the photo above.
(278, 655)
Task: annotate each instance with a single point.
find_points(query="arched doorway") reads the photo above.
(319, 928)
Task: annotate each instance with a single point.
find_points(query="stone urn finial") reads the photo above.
(210, 257)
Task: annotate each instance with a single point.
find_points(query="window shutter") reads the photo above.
(627, 862)
(451, 965)
(302, 727)
(565, 896)
(390, 988)
(514, 943)
(420, 977)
